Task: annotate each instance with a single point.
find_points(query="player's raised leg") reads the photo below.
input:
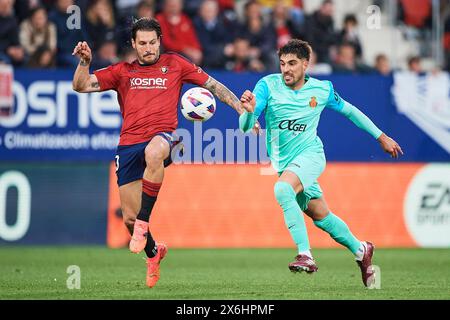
(286, 189)
(324, 219)
(155, 152)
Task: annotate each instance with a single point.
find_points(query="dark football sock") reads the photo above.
(149, 195)
(146, 207)
(150, 248)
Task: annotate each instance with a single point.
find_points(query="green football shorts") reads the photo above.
(308, 166)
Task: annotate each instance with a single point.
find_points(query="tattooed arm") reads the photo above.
(224, 94)
(82, 80)
(228, 97)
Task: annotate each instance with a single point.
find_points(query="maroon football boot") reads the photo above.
(303, 263)
(367, 271)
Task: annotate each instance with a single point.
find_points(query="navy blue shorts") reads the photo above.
(130, 160)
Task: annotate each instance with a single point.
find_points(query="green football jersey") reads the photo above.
(292, 116)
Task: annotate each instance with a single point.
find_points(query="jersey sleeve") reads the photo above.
(108, 78)
(355, 115)
(191, 73)
(261, 93)
(335, 102)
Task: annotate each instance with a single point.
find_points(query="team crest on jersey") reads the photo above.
(313, 102)
(164, 69)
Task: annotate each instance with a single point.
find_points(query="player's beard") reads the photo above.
(145, 60)
(292, 81)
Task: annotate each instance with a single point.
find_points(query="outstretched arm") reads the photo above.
(338, 104)
(359, 119)
(226, 96)
(82, 80)
(362, 121)
(254, 104)
(248, 119)
(223, 93)
(390, 146)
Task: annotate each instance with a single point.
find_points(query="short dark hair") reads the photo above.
(347, 44)
(36, 9)
(144, 4)
(250, 3)
(146, 24)
(300, 48)
(413, 59)
(380, 56)
(350, 18)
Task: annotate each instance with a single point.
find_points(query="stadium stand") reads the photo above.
(403, 32)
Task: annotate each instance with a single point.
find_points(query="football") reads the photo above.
(198, 104)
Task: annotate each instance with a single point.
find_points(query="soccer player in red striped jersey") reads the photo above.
(148, 93)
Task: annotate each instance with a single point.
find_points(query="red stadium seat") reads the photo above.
(416, 12)
(447, 41)
(226, 4)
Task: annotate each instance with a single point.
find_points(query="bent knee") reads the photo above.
(284, 192)
(152, 154)
(153, 157)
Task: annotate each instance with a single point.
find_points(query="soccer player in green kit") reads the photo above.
(292, 103)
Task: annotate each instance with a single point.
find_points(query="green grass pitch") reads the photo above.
(41, 273)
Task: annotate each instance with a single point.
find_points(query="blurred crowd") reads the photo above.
(211, 33)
